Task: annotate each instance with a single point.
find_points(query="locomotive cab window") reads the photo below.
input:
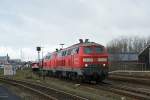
(75, 51)
(69, 52)
(99, 49)
(64, 53)
(88, 50)
(59, 53)
(49, 57)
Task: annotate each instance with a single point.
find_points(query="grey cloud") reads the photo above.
(28, 23)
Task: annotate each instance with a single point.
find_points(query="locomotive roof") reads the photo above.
(78, 45)
(83, 44)
(86, 44)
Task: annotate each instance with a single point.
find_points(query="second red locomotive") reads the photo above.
(85, 60)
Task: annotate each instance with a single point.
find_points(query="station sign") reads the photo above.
(9, 70)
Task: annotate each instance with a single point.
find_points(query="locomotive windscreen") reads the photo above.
(89, 50)
(99, 49)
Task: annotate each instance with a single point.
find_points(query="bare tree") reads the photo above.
(148, 41)
(128, 44)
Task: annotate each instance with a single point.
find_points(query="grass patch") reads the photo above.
(26, 74)
(1, 71)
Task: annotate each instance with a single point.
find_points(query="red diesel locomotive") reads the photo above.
(85, 60)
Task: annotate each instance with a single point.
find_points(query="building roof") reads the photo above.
(124, 56)
(145, 50)
(3, 57)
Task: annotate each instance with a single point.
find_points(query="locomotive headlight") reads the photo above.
(102, 59)
(87, 59)
(104, 65)
(86, 65)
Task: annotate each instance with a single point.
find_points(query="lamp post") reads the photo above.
(62, 45)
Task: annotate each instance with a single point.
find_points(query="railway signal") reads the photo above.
(38, 49)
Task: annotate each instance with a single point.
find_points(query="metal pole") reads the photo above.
(142, 67)
(43, 74)
(39, 57)
(42, 57)
(149, 55)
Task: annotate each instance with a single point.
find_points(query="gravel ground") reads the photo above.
(132, 85)
(6, 94)
(143, 74)
(68, 86)
(72, 87)
(19, 93)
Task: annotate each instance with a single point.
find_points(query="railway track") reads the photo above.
(122, 89)
(137, 93)
(130, 75)
(125, 90)
(54, 94)
(46, 92)
(131, 79)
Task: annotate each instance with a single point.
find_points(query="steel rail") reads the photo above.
(125, 89)
(126, 92)
(143, 81)
(130, 75)
(47, 92)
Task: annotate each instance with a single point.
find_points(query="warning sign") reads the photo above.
(9, 70)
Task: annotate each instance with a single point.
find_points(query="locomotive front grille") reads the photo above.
(94, 68)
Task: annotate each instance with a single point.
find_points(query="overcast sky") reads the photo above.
(25, 24)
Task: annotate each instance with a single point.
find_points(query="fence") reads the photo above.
(132, 66)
